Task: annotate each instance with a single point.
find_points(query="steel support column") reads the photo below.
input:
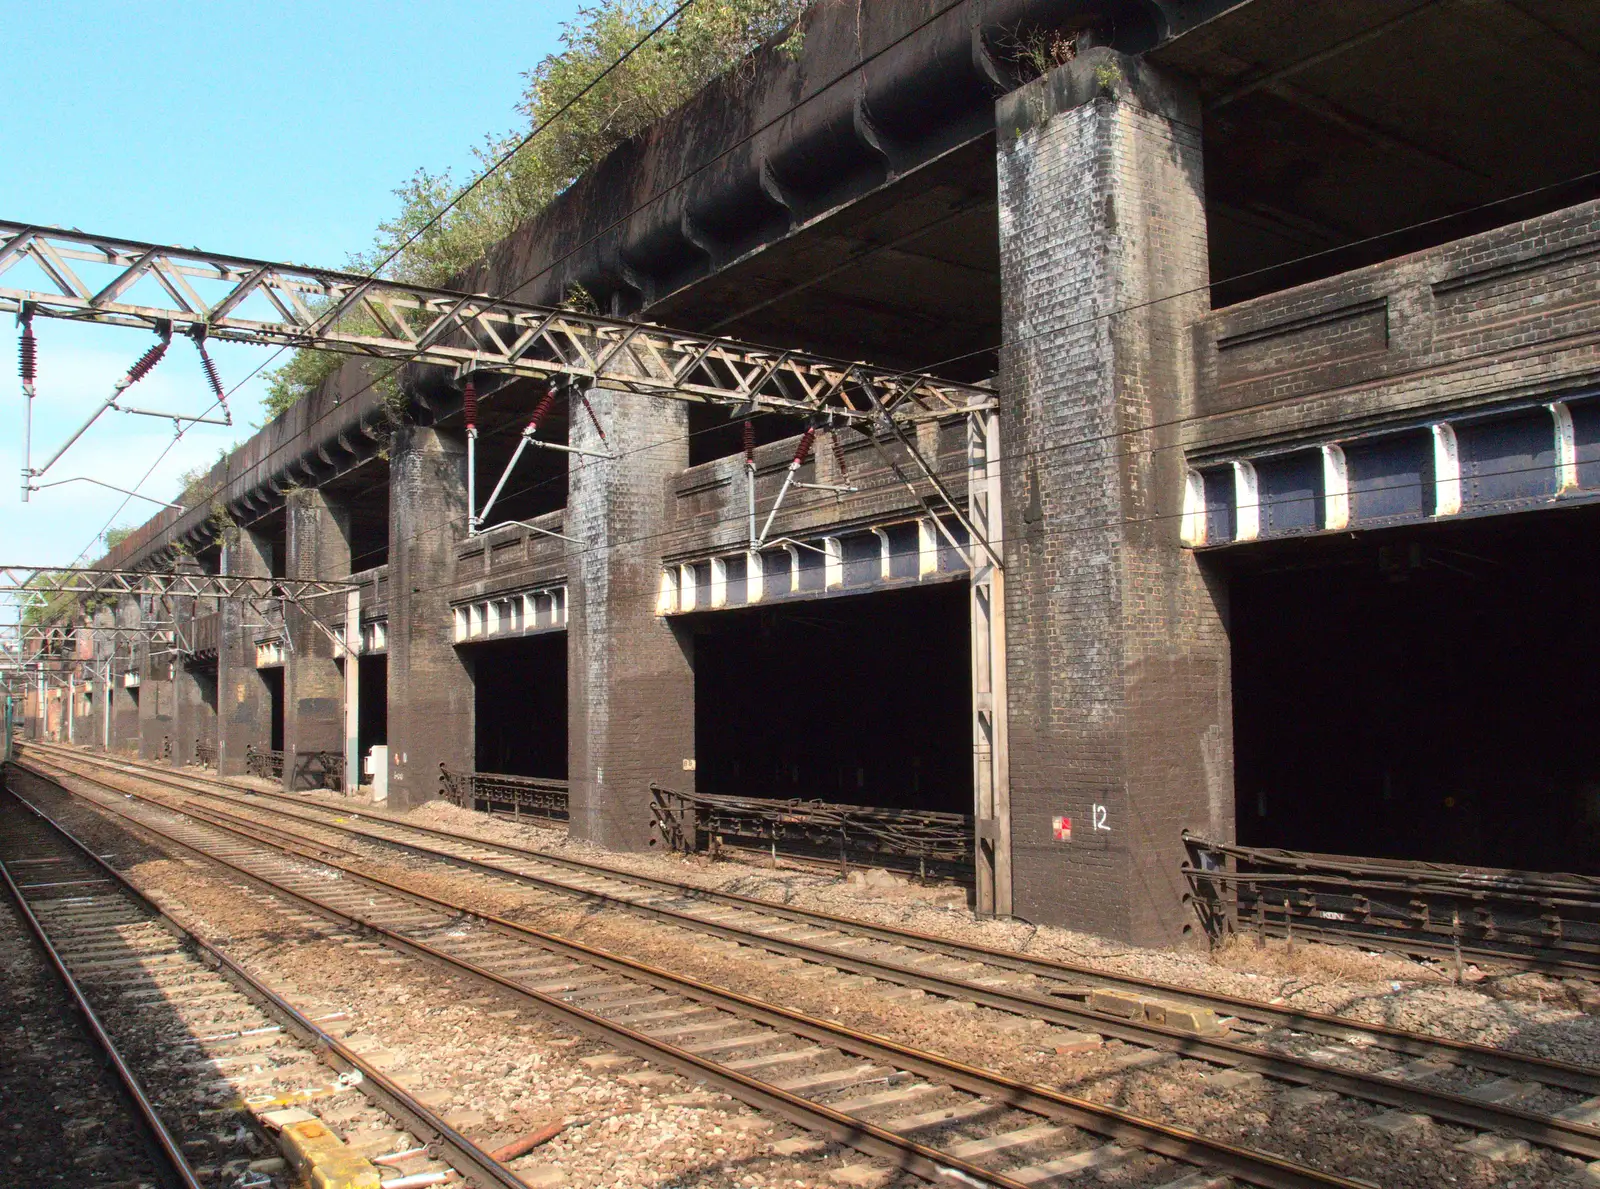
(352, 692)
(991, 782)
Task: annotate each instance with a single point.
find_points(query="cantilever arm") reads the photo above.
(101, 483)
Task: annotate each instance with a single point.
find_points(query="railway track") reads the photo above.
(202, 1047)
(1542, 1101)
(942, 1120)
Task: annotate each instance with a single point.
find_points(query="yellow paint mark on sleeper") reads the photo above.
(320, 1159)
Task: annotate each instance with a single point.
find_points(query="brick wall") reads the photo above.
(630, 676)
(317, 545)
(1118, 668)
(430, 689)
(243, 712)
(1510, 313)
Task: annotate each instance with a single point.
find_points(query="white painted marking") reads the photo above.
(1446, 471)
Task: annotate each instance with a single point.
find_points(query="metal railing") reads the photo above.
(502, 792)
(205, 754)
(1537, 918)
(263, 762)
(928, 841)
(318, 769)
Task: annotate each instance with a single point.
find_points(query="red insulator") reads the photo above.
(749, 440)
(593, 420)
(29, 354)
(210, 369)
(148, 360)
(543, 407)
(803, 451)
(469, 405)
(838, 453)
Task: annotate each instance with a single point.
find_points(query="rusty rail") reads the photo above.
(502, 792)
(867, 835)
(1538, 919)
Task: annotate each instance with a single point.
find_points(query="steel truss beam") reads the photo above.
(336, 311)
(51, 580)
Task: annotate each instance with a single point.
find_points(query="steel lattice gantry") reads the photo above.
(203, 294)
(257, 301)
(50, 580)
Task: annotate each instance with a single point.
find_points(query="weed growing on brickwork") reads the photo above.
(1038, 51)
(705, 42)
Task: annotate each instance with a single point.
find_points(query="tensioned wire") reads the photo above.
(455, 200)
(1053, 447)
(1056, 329)
(521, 284)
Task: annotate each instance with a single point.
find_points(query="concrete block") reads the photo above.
(1198, 1021)
(860, 1176)
(1497, 1148)
(799, 1145)
(541, 1176)
(602, 1062)
(1399, 1123)
(1079, 1042)
(1233, 1079)
(1117, 1003)
(320, 1159)
(1303, 1096)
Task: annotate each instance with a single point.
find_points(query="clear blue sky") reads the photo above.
(278, 130)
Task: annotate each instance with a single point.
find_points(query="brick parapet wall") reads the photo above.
(708, 504)
(1512, 313)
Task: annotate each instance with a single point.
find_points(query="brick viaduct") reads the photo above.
(1268, 279)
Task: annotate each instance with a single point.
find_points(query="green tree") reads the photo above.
(710, 38)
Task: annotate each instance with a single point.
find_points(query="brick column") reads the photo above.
(243, 712)
(630, 675)
(430, 688)
(190, 712)
(317, 545)
(124, 704)
(155, 711)
(1120, 714)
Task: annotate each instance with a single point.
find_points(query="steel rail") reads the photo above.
(1574, 1138)
(161, 1140)
(1550, 1072)
(1563, 1135)
(428, 1127)
(1258, 1168)
(1297, 1070)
